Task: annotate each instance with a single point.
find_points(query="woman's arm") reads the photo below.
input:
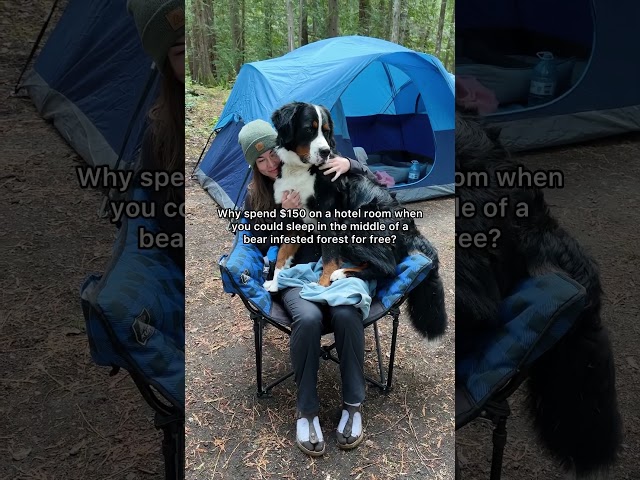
(340, 165)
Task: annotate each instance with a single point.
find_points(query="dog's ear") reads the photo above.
(283, 120)
(331, 139)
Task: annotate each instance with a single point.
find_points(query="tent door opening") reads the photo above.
(388, 128)
(498, 47)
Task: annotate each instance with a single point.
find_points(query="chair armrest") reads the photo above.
(241, 271)
(535, 317)
(409, 273)
(134, 312)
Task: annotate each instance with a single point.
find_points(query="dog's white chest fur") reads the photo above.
(297, 179)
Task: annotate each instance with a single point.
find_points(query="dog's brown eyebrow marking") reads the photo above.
(325, 127)
(315, 124)
(302, 151)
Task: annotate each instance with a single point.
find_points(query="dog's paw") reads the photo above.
(272, 285)
(338, 275)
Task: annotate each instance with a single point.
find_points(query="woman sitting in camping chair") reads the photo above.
(258, 139)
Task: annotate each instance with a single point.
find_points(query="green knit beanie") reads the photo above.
(160, 24)
(255, 138)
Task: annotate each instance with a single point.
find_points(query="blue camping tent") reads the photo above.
(92, 93)
(596, 52)
(394, 103)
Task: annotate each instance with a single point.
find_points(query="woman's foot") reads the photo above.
(309, 435)
(350, 433)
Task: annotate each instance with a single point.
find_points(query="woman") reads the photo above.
(160, 24)
(258, 139)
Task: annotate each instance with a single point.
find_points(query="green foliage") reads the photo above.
(264, 28)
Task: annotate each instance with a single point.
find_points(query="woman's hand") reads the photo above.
(337, 165)
(291, 199)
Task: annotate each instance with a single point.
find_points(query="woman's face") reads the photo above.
(268, 164)
(176, 59)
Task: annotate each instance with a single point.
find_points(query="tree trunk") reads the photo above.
(425, 33)
(448, 61)
(290, 24)
(388, 6)
(395, 21)
(235, 36)
(363, 17)
(191, 52)
(210, 38)
(304, 24)
(243, 30)
(201, 65)
(268, 15)
(332, 30)
(404, 24)
(443, 11)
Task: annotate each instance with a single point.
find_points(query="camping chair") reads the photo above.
(134, 317)
(537, 316)
(242, 274)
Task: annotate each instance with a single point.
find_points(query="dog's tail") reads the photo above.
(572, 387)
(426, 300)
(573, 401)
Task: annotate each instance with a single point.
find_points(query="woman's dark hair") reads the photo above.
(167, 127)
(260, 191)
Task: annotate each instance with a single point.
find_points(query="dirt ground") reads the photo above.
(600, 205)
(60, 415)
(233, 434)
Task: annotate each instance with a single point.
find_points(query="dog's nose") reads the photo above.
(324, 153)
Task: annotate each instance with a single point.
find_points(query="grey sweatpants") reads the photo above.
(346, 322)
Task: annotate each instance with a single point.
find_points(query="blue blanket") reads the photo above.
(346, 291)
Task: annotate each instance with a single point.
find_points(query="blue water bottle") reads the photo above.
(414, 171)
(544, 79)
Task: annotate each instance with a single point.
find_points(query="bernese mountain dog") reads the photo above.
(305, 142)
(572, 388)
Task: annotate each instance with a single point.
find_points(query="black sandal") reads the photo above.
(315, 446)
(346, 441)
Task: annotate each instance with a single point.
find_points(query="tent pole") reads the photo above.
(35, 46)
(202, 153)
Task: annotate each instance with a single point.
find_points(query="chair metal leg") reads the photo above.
(170, 420)
(258, 332)
(384, 384)
(325, 353)
(258, 324)
(499, 441)
(392, 357)
(376, 334)
(498, 411)
(268, 388)
(172, 445)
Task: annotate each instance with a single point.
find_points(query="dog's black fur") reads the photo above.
(572, 387)
(360, 192)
